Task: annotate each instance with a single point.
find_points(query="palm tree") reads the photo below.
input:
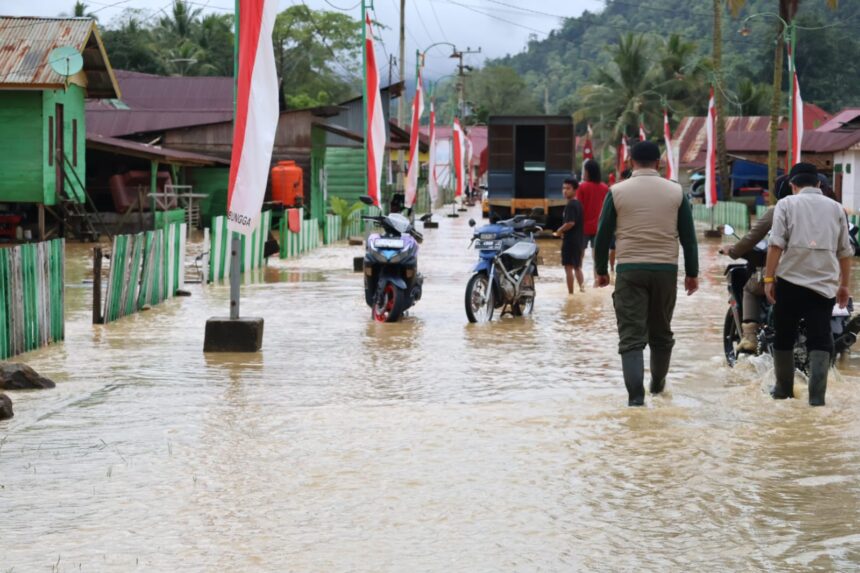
(722, 157)
(183, 23)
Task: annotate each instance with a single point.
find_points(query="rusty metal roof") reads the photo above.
(151, 152)
(25, 44)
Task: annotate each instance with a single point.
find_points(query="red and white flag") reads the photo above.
(375, 118)
(711, 156)
(469, 157)
(459, 155)
(587, 148)
(623, 154)
(796, 114)
(432, 183)
(642, 135)
(256, 115)
(671, 169)
(414, 164)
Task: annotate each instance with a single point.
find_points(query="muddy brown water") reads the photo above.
(428, 445)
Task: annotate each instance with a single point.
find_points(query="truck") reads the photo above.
(529, 159)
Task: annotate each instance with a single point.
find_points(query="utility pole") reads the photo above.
(461, 75)
(400, 101)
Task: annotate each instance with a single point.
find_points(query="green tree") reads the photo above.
(499, 90)
(317, 54)
(131, 44)
(753, 98)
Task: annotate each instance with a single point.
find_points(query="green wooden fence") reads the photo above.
(31, 296)
(252, 249)
(335, 231)
(146, 269)
(306, 239)
(724, 213)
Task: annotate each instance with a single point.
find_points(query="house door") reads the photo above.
(59, 149)
(837, 186)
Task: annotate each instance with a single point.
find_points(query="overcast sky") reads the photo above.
(499, 27)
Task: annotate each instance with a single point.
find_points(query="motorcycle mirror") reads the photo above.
(472, 222)
(728, 230)
(366, 199)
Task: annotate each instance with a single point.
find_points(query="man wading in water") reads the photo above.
(808, 270)
(648, 215)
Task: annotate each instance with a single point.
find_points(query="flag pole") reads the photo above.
(235, 242)
(364, 93)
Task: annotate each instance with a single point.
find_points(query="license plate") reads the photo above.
(487, 245)
(388, 243)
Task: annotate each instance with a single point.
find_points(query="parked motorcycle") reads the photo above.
(504, 276)
(844, 326)
(392, 283)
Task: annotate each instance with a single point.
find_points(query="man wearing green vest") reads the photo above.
(648, 215)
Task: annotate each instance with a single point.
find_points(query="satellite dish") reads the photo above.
(66, 61)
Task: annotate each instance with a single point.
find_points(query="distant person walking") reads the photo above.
(808, 271)
(591, 193)
(572, 233)
(648, 216)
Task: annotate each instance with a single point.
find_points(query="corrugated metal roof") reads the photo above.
(117, 123)
(163, 154)
(25, 44)
(691, 134)
(845, 116)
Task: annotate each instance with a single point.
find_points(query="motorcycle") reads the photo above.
(392, 283)
(507, 266)
(844, 326)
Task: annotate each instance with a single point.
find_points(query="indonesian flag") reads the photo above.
(587, 148)
(671, 169)
(459, 153)
(469, 156)
(623, 154)
(256, 115)
(642, 135)
(375, 144)
(414, 165)
(711, 157)
(432, 183)
(796, 113)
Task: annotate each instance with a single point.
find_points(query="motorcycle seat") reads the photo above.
(522, 251)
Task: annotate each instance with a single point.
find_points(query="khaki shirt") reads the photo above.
(812, 232)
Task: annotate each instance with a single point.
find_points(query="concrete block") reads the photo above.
(356, 241)
(358, 264)
(431, 225)
(240, 335)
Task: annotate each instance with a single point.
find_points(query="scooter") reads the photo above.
(507, 265)
(843, 325)
(392, 283)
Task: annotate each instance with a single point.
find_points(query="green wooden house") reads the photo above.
(42, 118)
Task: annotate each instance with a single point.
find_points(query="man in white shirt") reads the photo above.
(808, 270)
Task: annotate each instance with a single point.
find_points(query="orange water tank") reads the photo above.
(287, 187)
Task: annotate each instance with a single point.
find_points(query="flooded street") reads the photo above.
(427, 445)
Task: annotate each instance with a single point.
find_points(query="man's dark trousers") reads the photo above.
(795, 303)
(644, 305)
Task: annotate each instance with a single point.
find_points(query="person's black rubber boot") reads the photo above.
(633, 365)
(783, 369)
(819, 366)
(660, 360)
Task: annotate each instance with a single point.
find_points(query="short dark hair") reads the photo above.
(805, 180)
(592, 170)
(626, 174)
(572, 182)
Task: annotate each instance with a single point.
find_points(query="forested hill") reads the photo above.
(828, 60)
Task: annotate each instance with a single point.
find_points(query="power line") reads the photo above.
(438, 22)
(356, 5)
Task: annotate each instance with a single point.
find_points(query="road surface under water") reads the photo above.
(428, 445)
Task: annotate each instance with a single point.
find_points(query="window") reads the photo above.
(75, 142)
(50, 140)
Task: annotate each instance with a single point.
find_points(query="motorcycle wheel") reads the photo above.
(389, 304)
(525, 304)
(731, 339)
(479, 299)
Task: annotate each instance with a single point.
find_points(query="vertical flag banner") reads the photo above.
(375, 119)
(432, 183)
(587, 148)
(642, 135)
(469, 156)
(623, 154)
(796, 113)
(414, 164)
(459, 152)
(711, 157)
(671, 168)
(256, 116)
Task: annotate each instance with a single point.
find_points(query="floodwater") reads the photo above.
(428, 445)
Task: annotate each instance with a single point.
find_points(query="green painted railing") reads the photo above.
(146, 269)
(31, 296)
(306, 239)
(253, 247)
(724, 213)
